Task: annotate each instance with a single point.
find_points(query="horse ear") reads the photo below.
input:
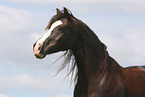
(67, 14)
(58, 11)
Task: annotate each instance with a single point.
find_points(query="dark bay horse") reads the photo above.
(98, 74)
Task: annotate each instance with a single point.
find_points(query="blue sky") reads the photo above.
(119, 24)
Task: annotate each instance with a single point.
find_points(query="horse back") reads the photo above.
(135, 81)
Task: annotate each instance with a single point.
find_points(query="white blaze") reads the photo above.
(46, 35)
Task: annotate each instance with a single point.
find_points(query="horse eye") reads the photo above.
(61, 28)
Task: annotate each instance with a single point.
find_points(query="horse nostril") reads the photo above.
(39, 48)
(34, 45)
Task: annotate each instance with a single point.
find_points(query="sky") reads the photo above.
(120, 24)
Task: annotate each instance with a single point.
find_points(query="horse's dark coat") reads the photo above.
(99, 75)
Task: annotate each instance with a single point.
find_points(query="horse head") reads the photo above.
(60, 35)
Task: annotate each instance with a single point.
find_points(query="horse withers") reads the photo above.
(98, 74)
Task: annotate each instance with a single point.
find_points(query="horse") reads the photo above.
(97, 73)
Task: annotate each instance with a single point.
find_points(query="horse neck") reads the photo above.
(90, 54)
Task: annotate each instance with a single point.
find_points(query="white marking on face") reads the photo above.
(53, 26)
(46, 35)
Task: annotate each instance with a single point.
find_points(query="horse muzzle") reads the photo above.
(36, 50)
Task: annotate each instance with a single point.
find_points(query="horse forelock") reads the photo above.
(57, 17)
(54, 18)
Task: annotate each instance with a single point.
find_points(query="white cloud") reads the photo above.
(25, 81)
(76, 1)
(35, 36)
(128, 47)
(1, 95)
(104, 6)
(14, 20)
(15, 27)
(86, 5)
